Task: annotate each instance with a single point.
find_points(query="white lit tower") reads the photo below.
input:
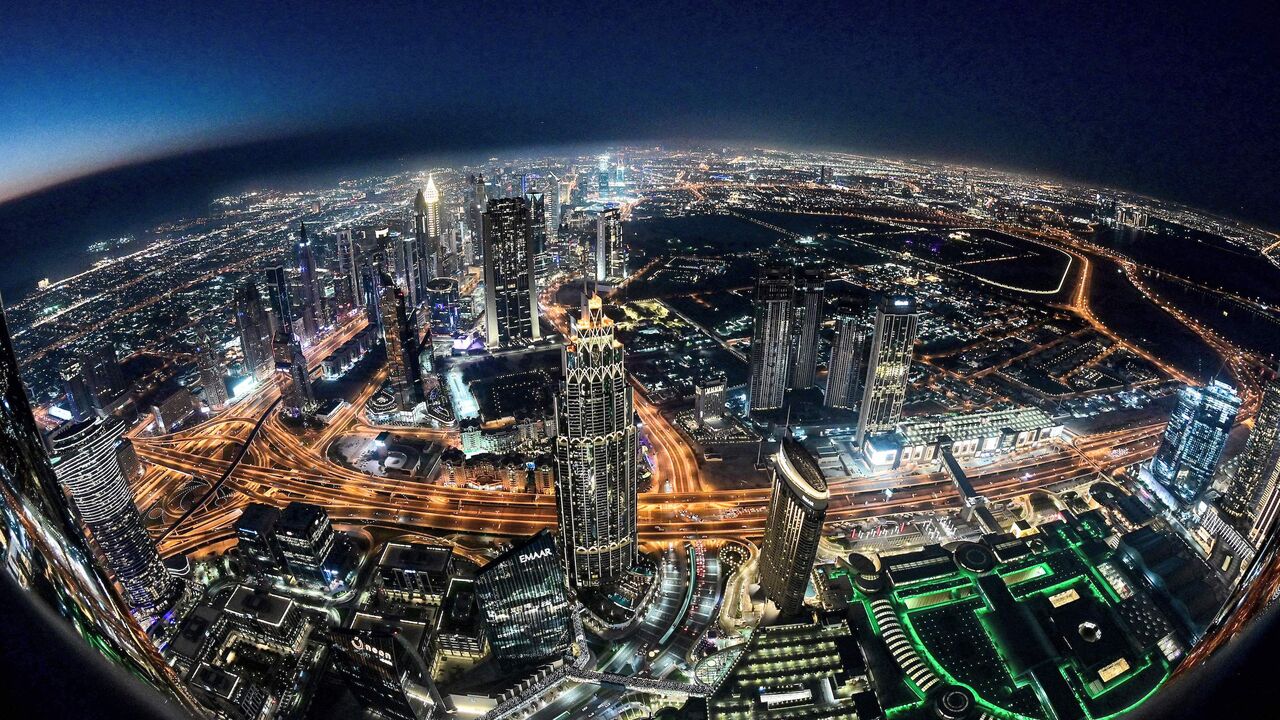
(595, 454)
(771, 340)
(426, 231)
(611, 262)
(888, 365)
(84, 459)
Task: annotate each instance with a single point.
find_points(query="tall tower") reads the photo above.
(595, 454)
(297, 394)
(845, 374)
(84, 458)
(426, 231)
(80, 400)
(808, 308)
(212, 371)
(797, 507)
(611, 264)
(538, 229)
(399, 334)
(888, 365)
(770, 340)
(1194, 439)
(1252, 503)
(524, 600)
(255, 332)
(312, 309)
(510, 291)
(280, 301)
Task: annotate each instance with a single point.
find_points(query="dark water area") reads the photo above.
(1198, 256)
(1250, 330)
(1127, 312)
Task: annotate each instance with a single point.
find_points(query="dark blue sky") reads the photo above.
(1181, 103)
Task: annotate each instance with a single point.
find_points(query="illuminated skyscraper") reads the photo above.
(611, 262)
(443, 305)
(385, 673)
(297, 396)
(1252, 503)
(426, 232)
(212, 372)
(79, 399)
(771, 340)
(510, 291)
(708, 398)
(280, 300)
(844, 376)
(524, 600)
(312, 299)
(538, 229)
(808, 307)
(84, 458)
(797, 508)
(255, 332)
(595, 454)
(399, 334)
(888, 366)
(1194, 439)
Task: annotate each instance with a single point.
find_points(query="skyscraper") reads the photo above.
(595, 454)
(48, 562)
(610, 258)
(255, 332)
(443, 305)
(510, 290)
(770, 340)
(312, 299)
(1252, 502)
(1194, 439)
(426, 232)
(797, 507)
(524, 601)
(84, 458)
(808, 307)
(888, 366)
(400, 336)
(280, 300)
(385, 673)
(538, 229)
(297, 396)
(80, 400)
(845, 369)
(708, 398)
(212, 372)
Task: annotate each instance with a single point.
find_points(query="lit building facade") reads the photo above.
(524, 603)
(797, 508)
(255, 332)
(510, 289)
(1252, 502)
(708, 399)
(212, 372)
(611, 261)
(595, 454)
(844, 373)
(888, 365)
(771, 340)
(312, 308)
(1194, 439)
(399, 334)
(807, 308)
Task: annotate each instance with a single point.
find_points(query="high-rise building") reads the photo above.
(444, 306)
(538, 229)
(280, 300)
(844, 375)
(49, 564)
(385, 673)
(770, 340)
(103, 373)
(305, 538)
(312, 300)
(524, 601)
(797, 508)
(213, 374)
(510, 290)
(426, 233)
(255, 332)
(708, 398)
(400, 336)
(1194, 439)
(595, 454)
(611, 261)
(84, 458)
(80, 400)
(256, 538)
(477, 203)
(1252, 502)
(807, 307)
(888, 366)
(297, 394)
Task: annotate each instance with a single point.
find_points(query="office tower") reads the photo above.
(385, 673)
(213, 375)
(538, 230)
(346, 276)
(477, 203)
(888, 366)
(75, 387)
(1194, 439)
(610, 258)
(770, 340)
(844, 375)
(255, 332)
(807, 307)
(280, 300)
(793, 528)
(825, 175)
(426, 233)
(102, 373)
(708, 399)
(510, 291)
(84, 458)
(551, 195)
(443, 303)
(312, 301)
(48, 563)
(524, 601)
(1252, 502)
(305, 538)
(404, 265)
(595, 454)
(256, 538)
(297, 394)
(400, 337)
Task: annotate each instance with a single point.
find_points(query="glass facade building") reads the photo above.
(524, 602)
(1194, 439)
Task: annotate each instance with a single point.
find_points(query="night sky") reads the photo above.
(1178, 103)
